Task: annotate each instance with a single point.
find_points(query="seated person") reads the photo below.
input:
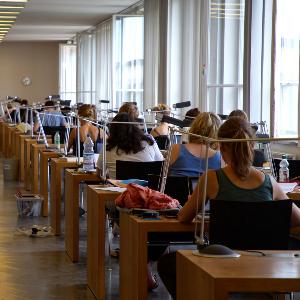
(162, 128)
(190, 116)
(86, 111)
(24, 112)
(238, 180)
(50, 117)
(9, 113)
(238, 113)
(259, 157)
(133, 111)
(189, 159)
(127, 142)
(161, 131)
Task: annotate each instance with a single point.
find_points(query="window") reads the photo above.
(67, 72)
(128, 60)
(287, 68)
(225, 56)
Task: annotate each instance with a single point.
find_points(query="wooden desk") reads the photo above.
(34, 167)
(29, 141)
(294, 196)
(15, 143)
(36, 149)
(57, 166)
(133, 256)
(96, 225)
(28, 162)
(3, 125)
(216, 277)
(11, 134)
(72, 181)
(11, 129)
(45, 155)
(21, 155)
(1, 134)
(6, 139)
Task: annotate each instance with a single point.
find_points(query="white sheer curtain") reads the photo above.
(67, 72)
(86, 67)
(287, 68)
(186, 52)
(151, 52)
(104, 61)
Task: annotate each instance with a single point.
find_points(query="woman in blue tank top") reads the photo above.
(189, 159)
(238, 179)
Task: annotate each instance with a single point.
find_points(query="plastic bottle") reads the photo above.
(57, 140)
(284, 170)
(88, 154)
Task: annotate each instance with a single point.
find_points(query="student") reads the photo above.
(162, 128)
(259, 157)
(238, 113)
(161, 131)
(190, 116)
(189, 159)
(127, 142)
(51, 118)
(131, 109)
(238, 180)
(86, 111)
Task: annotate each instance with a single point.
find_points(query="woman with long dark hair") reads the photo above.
(127, 142)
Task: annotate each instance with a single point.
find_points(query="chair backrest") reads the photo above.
(294, 167)
(178, 187)
(258, 158)
(51, 130)
(162, 141)
(250, 225)
(136, 169)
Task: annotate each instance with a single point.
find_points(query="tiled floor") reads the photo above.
(38, 268)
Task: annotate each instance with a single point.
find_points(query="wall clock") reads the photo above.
(26, 80)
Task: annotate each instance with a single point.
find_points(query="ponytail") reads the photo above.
(241, 153)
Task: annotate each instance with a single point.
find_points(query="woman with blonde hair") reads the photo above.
(86, 128)
(189, 159)
(131, 109)
(163, 127)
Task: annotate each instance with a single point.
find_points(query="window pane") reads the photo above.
(233, 98)
(287, 68)
(226, 50)
(129, 60)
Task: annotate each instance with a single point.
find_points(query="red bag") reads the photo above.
(137, 196)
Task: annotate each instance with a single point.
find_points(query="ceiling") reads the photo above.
(54, 20)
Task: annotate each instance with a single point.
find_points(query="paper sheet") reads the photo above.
(287, 186)
(111, 188)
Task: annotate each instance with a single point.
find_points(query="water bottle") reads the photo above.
(284, 170)
(57, 140)
(88, 154)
